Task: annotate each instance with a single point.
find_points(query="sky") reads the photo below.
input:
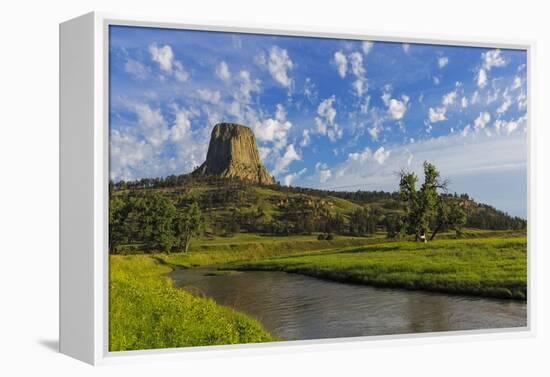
(327, 113)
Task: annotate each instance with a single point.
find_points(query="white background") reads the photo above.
(29, 185)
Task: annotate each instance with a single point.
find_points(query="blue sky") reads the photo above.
(327, 113)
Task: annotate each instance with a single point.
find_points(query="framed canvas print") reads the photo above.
(234, 188)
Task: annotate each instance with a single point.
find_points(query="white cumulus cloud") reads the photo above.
(357, 68)
(222, 71)
(278, 64)
(396, 107)
(127, 153)
(212, 96)
(247, 86)
(506, 103)
(493, 58)
(306, 139)
(136, 147)
(182, 126)
(164, 56)
(489, 60)
(517, 83)
(437, 114)
(508, 127)
(377, 121)
(282, 162)
(326, 119)
(481, 78)
(381, 155)
(367, 46)
(136, 69)
(482, 120)
(449, 98)
(341, 63)
(323, 171)
(363, 156)
(310, 90)
(289, 178)
(442, 61)
(355, 62)
(274, 130)
(151, 123)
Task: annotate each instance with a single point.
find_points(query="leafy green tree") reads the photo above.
(424, 206)
(165, 241)
(442, 217)
(457, 218)
(409, 196)
(449, 215)
(336, 223)
(428, 199)
(188, 223)
(393, 224)
(117, 216)
(157, 218)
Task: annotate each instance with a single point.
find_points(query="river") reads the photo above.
(294, 306)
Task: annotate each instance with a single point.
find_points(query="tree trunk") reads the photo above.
(435, 231)
(187, 241)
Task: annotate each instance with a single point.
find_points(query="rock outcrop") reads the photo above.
(233, 153)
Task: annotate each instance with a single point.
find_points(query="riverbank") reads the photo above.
(147, 312)
(488, 267)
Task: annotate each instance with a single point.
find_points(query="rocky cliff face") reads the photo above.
(233, 153)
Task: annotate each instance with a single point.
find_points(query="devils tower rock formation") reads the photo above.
(232, 153)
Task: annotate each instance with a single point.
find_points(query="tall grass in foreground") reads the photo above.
(147, 312)
(489, 267)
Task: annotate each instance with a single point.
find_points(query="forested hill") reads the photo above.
(231, 206)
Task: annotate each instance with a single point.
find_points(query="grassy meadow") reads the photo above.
(250, 247)
(489, 267)
(254, 247)
(146, 311)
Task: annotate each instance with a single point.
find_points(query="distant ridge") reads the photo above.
(233, 153)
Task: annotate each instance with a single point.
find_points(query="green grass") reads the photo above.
(254, 247)
(249, 247)
(490, 267)
(147, 312)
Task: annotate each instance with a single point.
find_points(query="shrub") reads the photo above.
(321, 237)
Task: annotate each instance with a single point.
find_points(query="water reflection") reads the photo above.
(293, 306)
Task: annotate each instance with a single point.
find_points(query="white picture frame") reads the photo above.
(84, 190)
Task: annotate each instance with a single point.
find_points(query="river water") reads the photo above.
(297, 307)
